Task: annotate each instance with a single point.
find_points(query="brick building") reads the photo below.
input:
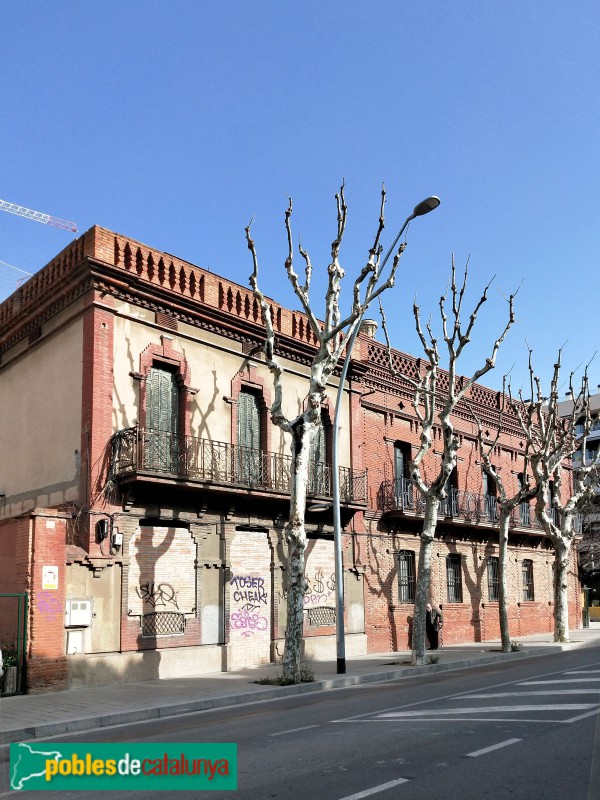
(143, 489)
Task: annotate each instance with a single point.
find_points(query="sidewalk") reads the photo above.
(36, 716)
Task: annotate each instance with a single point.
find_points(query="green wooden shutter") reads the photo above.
(162, 401)
(162, 420)
(249, 438)
(317, 468)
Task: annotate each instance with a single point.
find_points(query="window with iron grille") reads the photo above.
(454, 578)
(406, 576)
(493, 579)
(528, 593)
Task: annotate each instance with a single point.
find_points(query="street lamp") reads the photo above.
(424, 207)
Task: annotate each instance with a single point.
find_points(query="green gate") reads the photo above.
(13, 643)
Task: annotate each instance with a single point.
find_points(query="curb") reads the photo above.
(263, 694)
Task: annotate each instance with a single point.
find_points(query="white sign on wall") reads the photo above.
(49, 577)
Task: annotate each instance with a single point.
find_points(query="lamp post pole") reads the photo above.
(423, 207)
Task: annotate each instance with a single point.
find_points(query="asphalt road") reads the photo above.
(525, 729)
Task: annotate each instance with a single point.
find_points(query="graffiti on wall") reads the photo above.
(157, 594)
(320, 590)
(249, 594)
(49, 605)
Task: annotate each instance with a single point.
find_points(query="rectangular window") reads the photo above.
(319, 472)
(454, 578)
(402, 484)
(161, 451)
(528, 593)
(249, 456)
(406, 576)
(492, 576)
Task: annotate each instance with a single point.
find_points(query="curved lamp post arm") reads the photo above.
(424, 207)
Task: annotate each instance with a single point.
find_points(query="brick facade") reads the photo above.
(193, 547)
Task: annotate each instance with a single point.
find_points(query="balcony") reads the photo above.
(401, 495)
(139, 453)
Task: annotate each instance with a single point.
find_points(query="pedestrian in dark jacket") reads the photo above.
(433, 623)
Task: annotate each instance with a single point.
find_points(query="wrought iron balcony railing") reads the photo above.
(136, 450)
(401, 495)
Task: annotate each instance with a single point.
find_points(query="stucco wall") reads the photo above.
(40, 397)
(214, 363)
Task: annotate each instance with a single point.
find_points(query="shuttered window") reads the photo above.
(162, 401)
(318, 470)
(162, 421)
(249, 438)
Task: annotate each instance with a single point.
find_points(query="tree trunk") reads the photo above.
(502, 581)
(562, 560)
(296, 540)
(423, 580)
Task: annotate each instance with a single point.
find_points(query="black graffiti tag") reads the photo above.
(250, 590)
(157, 595)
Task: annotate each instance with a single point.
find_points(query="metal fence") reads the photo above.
(13, 642)
(401, 495)
(191, 458)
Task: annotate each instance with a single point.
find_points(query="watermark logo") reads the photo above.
(123, 766)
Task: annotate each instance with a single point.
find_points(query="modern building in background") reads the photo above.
(144, 490)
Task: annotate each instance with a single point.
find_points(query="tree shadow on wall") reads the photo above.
(474, 577)
(381, 573)
(156, 597)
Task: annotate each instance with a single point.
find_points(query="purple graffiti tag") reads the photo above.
(244, 620)
(49, 605)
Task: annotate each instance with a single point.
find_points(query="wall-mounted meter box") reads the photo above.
(79, 614)
(74, 642)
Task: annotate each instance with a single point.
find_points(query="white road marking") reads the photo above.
(558, 680)
(582, 716)
(487, 710)
(357, 717)
(485, 750)
(294, 730)
(584, 672)
(538, 693)
(381, 788)
(474, 719)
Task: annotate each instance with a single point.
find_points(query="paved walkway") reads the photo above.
(36, 716)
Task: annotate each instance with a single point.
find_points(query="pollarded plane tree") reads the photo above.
(561, 492)
(506, 502)
(332, 335)
(434, 404)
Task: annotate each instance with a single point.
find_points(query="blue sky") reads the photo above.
(176, 122)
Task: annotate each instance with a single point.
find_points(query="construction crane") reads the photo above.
(46, 219)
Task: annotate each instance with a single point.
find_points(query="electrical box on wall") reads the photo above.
(79, 614)
(74, 642)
